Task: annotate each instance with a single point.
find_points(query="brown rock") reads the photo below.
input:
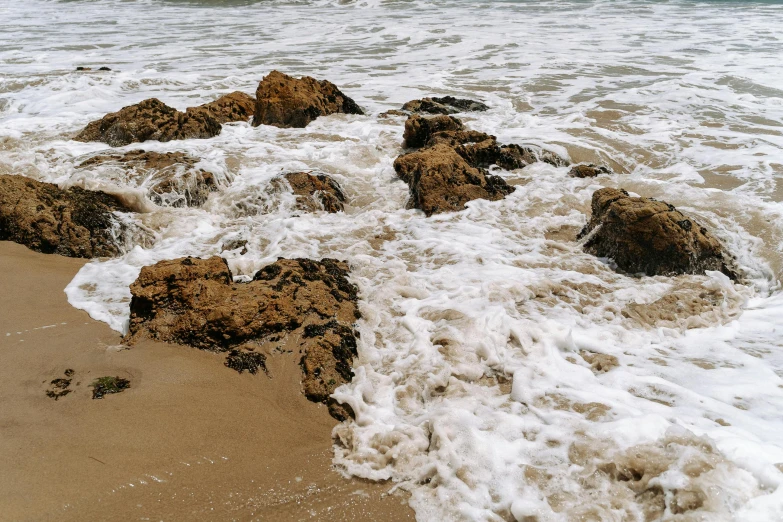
(441, 180)
(309, 303)
(479, 149)
(236, 106)
(284, 101)
(316, 192)
(419, 130)
(172, 178)
(643, 235)
(587, 171)
(444, 105)
(150, 120)
(45, 218)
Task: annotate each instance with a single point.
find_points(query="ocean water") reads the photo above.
(473, 388)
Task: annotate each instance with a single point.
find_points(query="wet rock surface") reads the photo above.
(308, 303)
(419, 130)
(316, 192)
(444, 105)
(588, 171)
(233, 107)
(646, 236)
(45, 218)
(171, 178)
(284, 101)
(150, 120)
(440, 180)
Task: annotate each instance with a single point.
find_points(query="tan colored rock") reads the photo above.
(284, 101)
(150, 120)
(440, 180)
(172, 178)
(233, 107)
(309, 303)
(316, 192)
(643, 235)
(45, 218)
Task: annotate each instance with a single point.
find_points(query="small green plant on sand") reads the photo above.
(106, 385)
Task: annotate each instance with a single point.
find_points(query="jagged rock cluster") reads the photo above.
(195, 302)
(306, 302)
(448, 169)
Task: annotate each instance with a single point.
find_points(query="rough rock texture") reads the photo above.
(316, 192)
(418, 130)
(478, 148)
(236, 106)
(284, 101)
(588, 171)
(150, 120)
(172, 178)
(441, 180)
(444, 105)
(311, 303)
(643, 235)
(45, 218)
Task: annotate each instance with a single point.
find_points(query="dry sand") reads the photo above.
(191, 439)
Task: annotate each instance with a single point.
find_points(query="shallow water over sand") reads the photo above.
(476, 386)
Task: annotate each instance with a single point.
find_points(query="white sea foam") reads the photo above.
(474, 388)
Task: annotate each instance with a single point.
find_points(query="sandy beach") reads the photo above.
(189, 439)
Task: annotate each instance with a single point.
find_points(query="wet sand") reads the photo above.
(190, 439)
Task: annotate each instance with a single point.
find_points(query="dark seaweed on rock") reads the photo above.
(246, 361)
(195, 302)
(646, 236)
(45, 218)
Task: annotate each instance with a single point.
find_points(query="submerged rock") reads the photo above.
(444, 105)
(150, 120)
(310, 303)
(643, 235)
(316, 192)
(588, 171)
(171, 178)
(233, 107)
(486, 153)
(45, 218)
(284, 101)
(440, 180)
